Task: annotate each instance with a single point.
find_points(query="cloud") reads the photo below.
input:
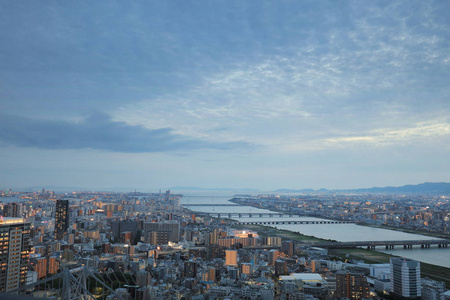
(98, 131)
(425, 131)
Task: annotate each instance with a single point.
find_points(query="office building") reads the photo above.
(351, 285)
(405, 278)
(15, 249)
(61, 218)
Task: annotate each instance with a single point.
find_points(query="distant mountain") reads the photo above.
(295, 191)
(193, 188)
(435, 188)
(185, 188)
(55, 188)
(423, 188)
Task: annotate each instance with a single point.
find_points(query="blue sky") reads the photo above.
(236, 94)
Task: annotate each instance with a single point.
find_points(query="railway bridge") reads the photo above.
(188, 205)
(248, 215)
(293, 222)
(407, 244)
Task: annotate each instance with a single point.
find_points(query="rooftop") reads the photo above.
(7, 221)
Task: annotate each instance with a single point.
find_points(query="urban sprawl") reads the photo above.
(99, 245)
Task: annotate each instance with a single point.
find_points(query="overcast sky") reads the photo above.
(224, 94)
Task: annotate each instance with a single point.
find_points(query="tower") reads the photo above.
(61, 218)
(14, 253)
(405, 277)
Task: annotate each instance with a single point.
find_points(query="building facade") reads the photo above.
(61, 218)
(405, 278)
(15, 246)
(352, 285)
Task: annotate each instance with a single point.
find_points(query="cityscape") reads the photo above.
(165, 245)
(237, 149)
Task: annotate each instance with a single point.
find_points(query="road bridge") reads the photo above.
(387, 244)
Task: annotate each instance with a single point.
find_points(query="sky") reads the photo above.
(224, 94)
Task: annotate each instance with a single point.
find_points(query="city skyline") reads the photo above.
(236, 95)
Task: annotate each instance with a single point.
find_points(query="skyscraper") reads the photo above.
(61, 218)
(14, 253)
(405, 277)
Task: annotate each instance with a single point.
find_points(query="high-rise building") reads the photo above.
(231, 258)
(13, 210)
(271, 241)
(281, 267)
(247, 268)
(172, 228)
(212, 274)
(405, 277)
(158, 238)
(352, 285)
(190, 268)
(215, 251)
(273, 256)
(288, 248)
(61, 218)
(123, 226)
(40, 266)
(53, 265)
(15, 249)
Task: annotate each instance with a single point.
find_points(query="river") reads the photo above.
(339, 232)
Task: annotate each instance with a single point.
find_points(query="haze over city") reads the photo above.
(263, 95)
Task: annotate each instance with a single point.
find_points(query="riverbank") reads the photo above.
(386, 227)
(413, 231)
(428, 270)
(373, 257)
(266, 231)
(434, 272)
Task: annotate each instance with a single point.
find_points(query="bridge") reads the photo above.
(249, 215)
(293, 222)
(212, 205)
(387, 244)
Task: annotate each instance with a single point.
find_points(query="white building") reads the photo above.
(405, 277)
